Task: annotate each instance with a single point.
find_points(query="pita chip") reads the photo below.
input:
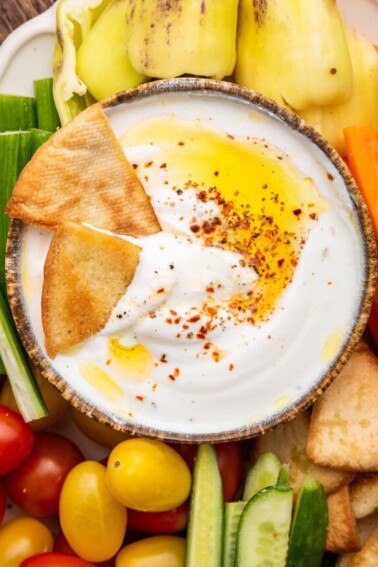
(82, 175)
(86, 274)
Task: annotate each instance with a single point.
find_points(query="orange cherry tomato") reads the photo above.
(156, 551)
(22, 538)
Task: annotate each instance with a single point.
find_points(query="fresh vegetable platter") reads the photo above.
(75, 493)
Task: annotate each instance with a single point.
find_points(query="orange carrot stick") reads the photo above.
(362, 154)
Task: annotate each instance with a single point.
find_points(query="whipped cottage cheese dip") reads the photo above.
(245, 297)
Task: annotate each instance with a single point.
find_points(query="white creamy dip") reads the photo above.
(183, 351)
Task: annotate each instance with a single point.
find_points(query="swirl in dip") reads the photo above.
(247, 294)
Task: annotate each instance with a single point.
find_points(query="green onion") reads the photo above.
(17, 113)
(47, 116)
(25, 390)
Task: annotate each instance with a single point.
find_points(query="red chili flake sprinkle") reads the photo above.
(177, 320)
(216, 173)
(169, 321)
(206, 346)
(231, 367)
(194, 319)
(163, 358)
(171, 377)
(313, 216)
(216, 356)
(330, 176)
(330, 283)
(210, 289)
(161, 290)
(230, 136)
(189, 335)
(173, 312)
(281, 262)
(135, 165)
(297, 212)
(181, 144)
(163, 166)
(148, 163)
(152, 315)
(293, 261)
(202, 196)
(201, 336)
(185, 327)
(194, 228)
(176, 372)
(108, 362)
(178, 335)
(140, 398)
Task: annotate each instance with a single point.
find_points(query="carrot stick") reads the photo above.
(362, 153)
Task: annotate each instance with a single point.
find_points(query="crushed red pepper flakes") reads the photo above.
(194, 319)
(161, 290)
(231, 367)
(140, 398)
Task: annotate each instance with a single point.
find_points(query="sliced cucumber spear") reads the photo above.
(232, 515)
(264, 526)
(264, 473)
(309, 528)
(204, 537)
(25, 390)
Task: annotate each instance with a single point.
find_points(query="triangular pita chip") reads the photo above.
(82, 175)
(86, 274)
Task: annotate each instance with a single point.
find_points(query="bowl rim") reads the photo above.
(39, 359)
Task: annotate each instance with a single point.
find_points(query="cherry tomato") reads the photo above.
(3, 501)
(157, 551)
(53, 559)
(55, 403)
(61, 545)
(36, 484)
(16, 439)
(98, 432)
(22, 538)
(170, 522)
(92, 520)
(230, 462)
(148, 475)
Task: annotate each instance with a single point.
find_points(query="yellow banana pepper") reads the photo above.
(294, 51)
(175, 37)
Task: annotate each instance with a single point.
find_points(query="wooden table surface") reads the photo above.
(15, 12)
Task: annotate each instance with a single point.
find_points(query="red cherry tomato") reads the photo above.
(3, 501)
(54, 559)
(36, 484)
(230, 462)
(170, 522)
(16, 440)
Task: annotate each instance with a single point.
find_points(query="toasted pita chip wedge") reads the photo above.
(344, 425)
(365, 527)
(82, 175)
(86, 274)
(289, 442)
(368, 556)
(342, 533)
(364, 495)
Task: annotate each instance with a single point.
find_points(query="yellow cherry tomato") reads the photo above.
(98, 432)
(157, 551)
(148, 475)
(55, 403)
(21, 538)
(92, 520)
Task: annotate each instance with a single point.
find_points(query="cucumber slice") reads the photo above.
(204, 537)
(283, 476)
(264, 473)
(232, 515)
(309, 529)
(25, 390)
(263, 535)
